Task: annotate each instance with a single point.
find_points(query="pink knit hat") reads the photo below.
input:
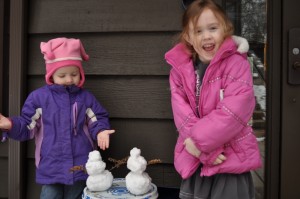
(62, 52)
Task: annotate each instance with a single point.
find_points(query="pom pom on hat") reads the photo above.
(62, 52)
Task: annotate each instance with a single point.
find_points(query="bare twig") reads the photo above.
(154, 161)
(118, 163)
(78, 168)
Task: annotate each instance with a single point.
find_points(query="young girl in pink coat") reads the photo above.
(212, 100)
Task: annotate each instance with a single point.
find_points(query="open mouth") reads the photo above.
(208, 47)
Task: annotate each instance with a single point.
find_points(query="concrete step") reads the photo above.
(258, 81)
(258, 114)
(259, 132)
(259, 124)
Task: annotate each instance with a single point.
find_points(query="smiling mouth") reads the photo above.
(208, 47)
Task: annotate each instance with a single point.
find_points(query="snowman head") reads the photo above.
(94, 156)
(95, 165)
(136, 163)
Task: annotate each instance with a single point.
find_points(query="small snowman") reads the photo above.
(99, 179)
(138, 182)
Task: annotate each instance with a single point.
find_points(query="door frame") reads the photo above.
(17, 86)
(1, 52)
(273, 87)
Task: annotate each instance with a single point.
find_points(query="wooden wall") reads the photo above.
(126, 41)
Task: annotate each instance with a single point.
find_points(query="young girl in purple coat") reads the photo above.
(212, 101)
(66, 121)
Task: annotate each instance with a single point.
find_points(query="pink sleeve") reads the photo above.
(184, 116)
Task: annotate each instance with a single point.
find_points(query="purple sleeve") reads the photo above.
(98, 118)
(22, 125)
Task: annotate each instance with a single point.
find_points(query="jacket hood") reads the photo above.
(180, 55)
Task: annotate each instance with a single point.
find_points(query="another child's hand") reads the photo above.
(191, 147)
(103, 139)
(220, 159)
(5, 123)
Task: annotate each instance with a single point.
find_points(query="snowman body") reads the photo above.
(99, 179)
(137, 180)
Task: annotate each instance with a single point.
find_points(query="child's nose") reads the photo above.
(206, 34)
(69, 79)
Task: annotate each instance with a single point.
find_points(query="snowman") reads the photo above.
(99, 179)
(138, 182)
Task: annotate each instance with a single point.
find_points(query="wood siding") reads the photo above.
(126, 41)
(103, 16)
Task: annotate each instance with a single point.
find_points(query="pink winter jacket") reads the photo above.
(226, 105)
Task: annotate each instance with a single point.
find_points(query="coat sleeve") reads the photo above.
(98, 117)
(24, 126)
(185, 118)
(232, 113)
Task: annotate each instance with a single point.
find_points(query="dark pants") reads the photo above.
(61, 191)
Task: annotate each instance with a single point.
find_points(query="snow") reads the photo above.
(99, 179)
(138, 182)
(260, 93)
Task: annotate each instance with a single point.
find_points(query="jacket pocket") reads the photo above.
(245, 145)
(242, 155)
(238, 150)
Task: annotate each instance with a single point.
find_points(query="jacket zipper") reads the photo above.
(198, 87)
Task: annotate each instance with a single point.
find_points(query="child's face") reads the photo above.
(66, 76)
(206, 36)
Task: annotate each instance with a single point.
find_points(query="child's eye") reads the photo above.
(198, 31)
(213, 28)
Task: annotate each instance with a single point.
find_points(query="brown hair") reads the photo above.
(193, 13)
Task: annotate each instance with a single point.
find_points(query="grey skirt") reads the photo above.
(219, 186)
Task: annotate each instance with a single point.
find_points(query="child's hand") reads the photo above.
(5, 123)
(103, 139)
(191, 147)
(220, 159)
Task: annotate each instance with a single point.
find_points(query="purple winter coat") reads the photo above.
(65, 122)
(226, 105)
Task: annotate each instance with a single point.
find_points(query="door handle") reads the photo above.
(294, 56)
(296, 65)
